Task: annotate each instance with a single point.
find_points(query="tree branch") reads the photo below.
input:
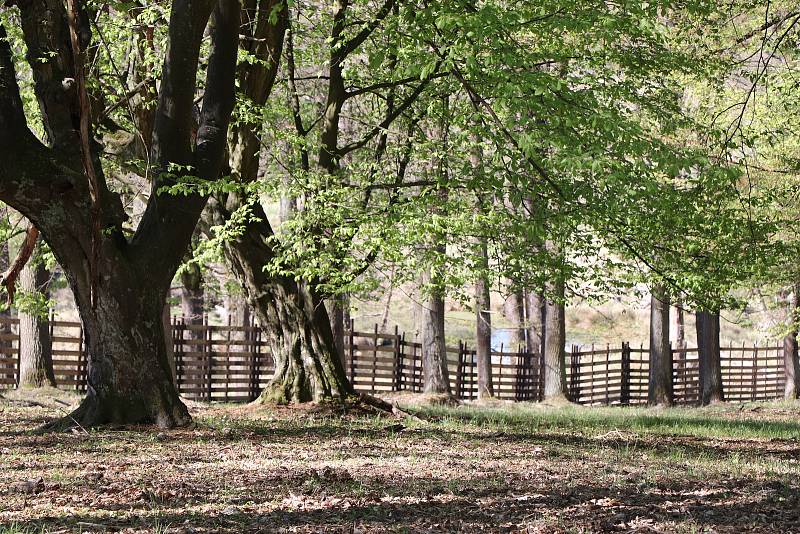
(390, 118)
(349, 46)
(9, 278)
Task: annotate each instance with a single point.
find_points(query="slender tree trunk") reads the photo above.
(434, 354)
(514, 310)
(35, 344)
(535, 307)
(791, 365)
(680, 325)
(555, 374)
(709, 353)
(659, 387)
(483, 334)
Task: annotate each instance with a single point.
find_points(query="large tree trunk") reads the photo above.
(514, 311)
(35, 344)
(709, 354)
(535, 311)
(483, 333)
(659, 386)
(555, 374)
(119, 281)
(292, 315)
(791, 365)
(130, 376)
(432, 338)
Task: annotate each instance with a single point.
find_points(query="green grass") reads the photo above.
(726, 421)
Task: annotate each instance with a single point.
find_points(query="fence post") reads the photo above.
(255, 335)
(540, 378)
(398, 361)
(352, 353)
(374, 359)
(753, 395)
(625, 387)
(210, 358)
(80, 378)
(575, 373)
(459, 368)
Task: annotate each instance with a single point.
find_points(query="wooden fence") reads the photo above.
(232, 363)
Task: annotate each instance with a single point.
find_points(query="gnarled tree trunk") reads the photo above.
(659, 385)
(293, 317)
(119, 282)
(709, 355)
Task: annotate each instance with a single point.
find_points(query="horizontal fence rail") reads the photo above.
(232, 363)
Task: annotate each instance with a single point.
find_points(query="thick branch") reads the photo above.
(86, 151)
(169, 220)
(9, 278)
(12, 112)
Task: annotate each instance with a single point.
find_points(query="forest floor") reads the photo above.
(497, 468)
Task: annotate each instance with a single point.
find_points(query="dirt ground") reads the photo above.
(495, 469)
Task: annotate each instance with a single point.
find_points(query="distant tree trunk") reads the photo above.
(35, 344)
(514, 311)
(555, 374)
(483, 334)
(535, 307)
(709, 355)
(193, 297)
(680, 325)
(659, 387)
(791, 365)
(434, 354)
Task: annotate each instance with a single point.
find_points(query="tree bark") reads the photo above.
(709, 354)
(680, 325)
(35, 344)
(659, 386)
(483, 333)
(129, 377)
(193, 298)
(340, 322)
(514, 311)
(434, 353)
(555, 373)
(292, 316)
(791, 366)
(535, 307)
(166, 320)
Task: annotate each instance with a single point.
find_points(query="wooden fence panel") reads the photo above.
(232, 364)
